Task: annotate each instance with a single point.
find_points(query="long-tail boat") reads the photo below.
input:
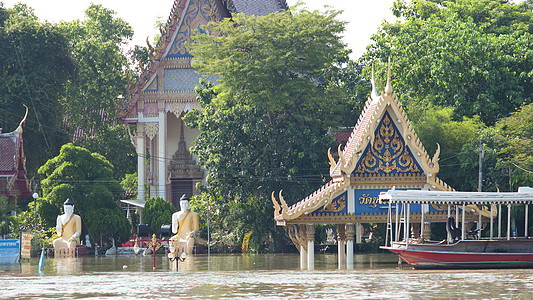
(463, 248)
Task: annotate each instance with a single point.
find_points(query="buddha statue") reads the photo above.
(68, 227)
(185, 226)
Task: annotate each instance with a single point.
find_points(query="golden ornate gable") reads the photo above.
(382, 151)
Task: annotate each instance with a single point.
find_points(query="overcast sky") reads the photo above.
(364, 16)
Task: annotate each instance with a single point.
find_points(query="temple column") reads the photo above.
(141, 162)
(161, 178)
(303, 246)
(310, 237)
(341, 245)
(427, 231)
(425, 227)
(358, 233)
(349, 245)
(303, 258)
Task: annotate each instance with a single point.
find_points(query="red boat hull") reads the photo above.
(453, 256)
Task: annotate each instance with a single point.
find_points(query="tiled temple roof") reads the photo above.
(361, 137)
(13, 181)
(259, 7)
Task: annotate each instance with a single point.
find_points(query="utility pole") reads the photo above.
(510, 182)
(481, 154)
(35, 196)
(513, 221)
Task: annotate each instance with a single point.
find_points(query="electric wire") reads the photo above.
(527, 171)
(29, 95)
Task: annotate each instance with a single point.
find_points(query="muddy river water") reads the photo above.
(254, 276)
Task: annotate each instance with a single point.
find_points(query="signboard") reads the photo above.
(9, 251)
(367, 201)
(26, 245)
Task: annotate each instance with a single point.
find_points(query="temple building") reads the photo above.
(383, 152)
(13, 180)
(165, 92)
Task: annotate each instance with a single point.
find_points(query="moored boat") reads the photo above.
(461, 249)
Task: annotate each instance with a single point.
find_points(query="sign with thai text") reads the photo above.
(26, 245)
(367, 201)
(9, 251)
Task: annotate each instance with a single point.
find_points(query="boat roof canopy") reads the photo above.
(523, 196)
(134, 202)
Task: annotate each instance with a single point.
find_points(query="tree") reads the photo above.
(87, 179)
(434, 125)
(516, 150)
(35, 66)
(282, 62)
(96, 46)
(157, 211)
(6, 219)
(114, 144)
(264, 126)
(129, 185)
(473, 56)
(358, 88)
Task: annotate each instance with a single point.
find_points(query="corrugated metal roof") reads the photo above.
(524, 195)
(259, 7)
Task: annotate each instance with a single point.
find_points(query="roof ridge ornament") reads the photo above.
(388, 87)
(374, 93)
(23, 119)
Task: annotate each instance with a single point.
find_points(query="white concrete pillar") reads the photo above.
(351, 201)
(349, 245)
(508, 221)
(358, 233)
(341, 242)
(303, 258)
(141, 162)
(463, 225)
(310, 236)
(161, 138)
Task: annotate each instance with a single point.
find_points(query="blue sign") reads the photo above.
(9, 251)
(367, 201)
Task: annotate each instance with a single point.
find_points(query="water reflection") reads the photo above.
(272, 276)
(66, 266)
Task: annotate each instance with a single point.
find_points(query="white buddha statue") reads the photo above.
(68, 227)
(185, 226)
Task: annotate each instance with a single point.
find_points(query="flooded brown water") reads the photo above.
(254, 276)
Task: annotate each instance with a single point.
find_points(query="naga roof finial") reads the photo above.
(374, 92)
(25, 116)
(388, 87)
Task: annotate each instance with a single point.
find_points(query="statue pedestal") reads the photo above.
(80, 250)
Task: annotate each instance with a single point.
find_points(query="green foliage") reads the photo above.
(87, 179)
(96, 46)
(35, 66)
(281, 62)
(516, 152)
(494, 173)
(264, 126)
(24, 222)
(457, 139)
(358, 89)
(115, 145)
(475, 57)
(129, 185)
(97, 42)
(6, 220)
(157, 211)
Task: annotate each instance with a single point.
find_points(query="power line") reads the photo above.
(29, 95)
(527, 171)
